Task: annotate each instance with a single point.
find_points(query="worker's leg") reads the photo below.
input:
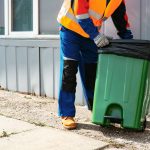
(87, 67)
(120, 20)
(69, 65)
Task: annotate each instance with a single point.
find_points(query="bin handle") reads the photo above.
(114, 119)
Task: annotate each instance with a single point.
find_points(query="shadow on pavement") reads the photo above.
(118, 132)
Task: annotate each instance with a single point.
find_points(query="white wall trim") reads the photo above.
(53, 36)
(36, 17)
(6, 14)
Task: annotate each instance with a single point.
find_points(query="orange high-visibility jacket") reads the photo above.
(97, 10)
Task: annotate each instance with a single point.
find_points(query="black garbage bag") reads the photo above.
(130, 48)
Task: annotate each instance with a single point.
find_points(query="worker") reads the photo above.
(80, 39)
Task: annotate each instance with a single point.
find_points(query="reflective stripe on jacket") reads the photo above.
(97, 10)
(67, 18)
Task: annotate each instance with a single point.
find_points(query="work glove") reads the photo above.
(101, 40)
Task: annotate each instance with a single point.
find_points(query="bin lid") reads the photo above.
(130, 48)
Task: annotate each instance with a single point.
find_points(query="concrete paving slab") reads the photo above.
(12, 126)
(44, 138)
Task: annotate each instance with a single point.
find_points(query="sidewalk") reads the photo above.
(19, 135)
(41, 113)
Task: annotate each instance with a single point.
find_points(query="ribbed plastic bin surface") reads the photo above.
(122, 91)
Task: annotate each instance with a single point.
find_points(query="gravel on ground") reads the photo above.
(42, 111)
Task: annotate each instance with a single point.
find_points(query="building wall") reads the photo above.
(48, 14)
(32, 66)
(145, 19)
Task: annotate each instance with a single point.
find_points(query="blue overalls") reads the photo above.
(76, 52)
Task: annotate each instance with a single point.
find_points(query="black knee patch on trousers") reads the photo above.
(69, 75)
(90, 75)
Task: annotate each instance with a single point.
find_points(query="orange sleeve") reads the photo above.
(111, 7)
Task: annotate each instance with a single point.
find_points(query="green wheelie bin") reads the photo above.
(122, 88)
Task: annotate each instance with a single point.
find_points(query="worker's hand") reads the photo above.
(101, 40)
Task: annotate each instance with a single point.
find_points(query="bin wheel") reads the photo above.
(144, 125)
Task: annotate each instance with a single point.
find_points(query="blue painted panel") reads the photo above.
(56, 72)
(22, 74)
(2, 68)
(46, 71)
(11, 68)
(33, 71)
